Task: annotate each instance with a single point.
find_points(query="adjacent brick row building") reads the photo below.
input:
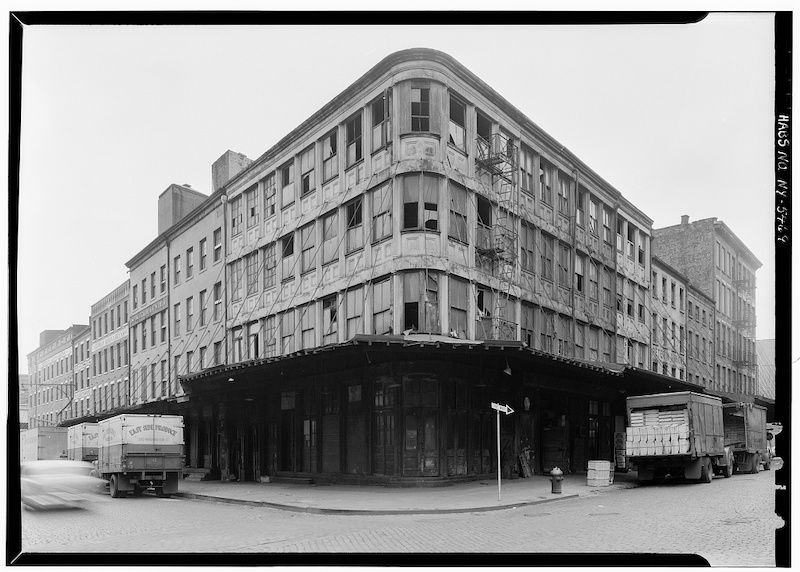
(346, 305)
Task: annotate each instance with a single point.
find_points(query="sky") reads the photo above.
(678, 118)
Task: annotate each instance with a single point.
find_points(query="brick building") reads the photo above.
(82, 374)
(700, 318)
(51, 371)
(668, 335)
(177, 293)
(106, 389)
(721, 266)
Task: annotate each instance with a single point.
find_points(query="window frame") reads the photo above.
(382, 225)
(421, 120)
(354, 225)
(330, 164)
(307, 162)
(382, 308)
(421, 190)
(308, 234)
(286, 172)
(384, 126)
(457, 225)
(354, 137)
(462, 126)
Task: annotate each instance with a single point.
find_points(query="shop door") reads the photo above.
(421, 430)
(554, 433)
(455, 405)
(482, 433)
(286, 460)
(356, 447)
(384, 451)
(330, 431)
(310, 431)
(605, 433)
(420, 449)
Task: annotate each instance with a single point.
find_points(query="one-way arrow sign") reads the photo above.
(504, 408)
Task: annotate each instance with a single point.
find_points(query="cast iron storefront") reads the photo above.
(386, 409)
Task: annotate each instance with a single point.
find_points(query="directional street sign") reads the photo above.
(508, 411)
(504, 408)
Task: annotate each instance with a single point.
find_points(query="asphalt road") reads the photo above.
(730, 522)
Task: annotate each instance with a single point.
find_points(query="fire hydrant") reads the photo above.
(556, 476)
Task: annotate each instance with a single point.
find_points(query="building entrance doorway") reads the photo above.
(420, 426)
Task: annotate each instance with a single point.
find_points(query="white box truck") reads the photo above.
(140, 452)
(82, 442)
(677, 433)
(43, 443)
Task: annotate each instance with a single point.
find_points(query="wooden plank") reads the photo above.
(523, 461)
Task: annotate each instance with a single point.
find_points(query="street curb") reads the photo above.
(361, 512)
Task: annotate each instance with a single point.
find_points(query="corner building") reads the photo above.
(418, 207)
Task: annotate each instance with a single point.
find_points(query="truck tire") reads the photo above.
(113, 487)
(161, 494)
(727, 470)
(706, 471)
(767, 464)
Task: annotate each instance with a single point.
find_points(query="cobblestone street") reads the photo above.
(729, 522)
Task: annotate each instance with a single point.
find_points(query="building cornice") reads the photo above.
(429, 55)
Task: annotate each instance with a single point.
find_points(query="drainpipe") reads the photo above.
(573, 218)
(224, 200)
(169, 327)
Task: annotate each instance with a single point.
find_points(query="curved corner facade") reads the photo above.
(421, 205)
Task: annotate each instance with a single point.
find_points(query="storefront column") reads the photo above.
(222, 441)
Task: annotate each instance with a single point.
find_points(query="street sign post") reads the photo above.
(508, 411)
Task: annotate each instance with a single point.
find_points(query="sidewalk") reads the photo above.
(475, 496)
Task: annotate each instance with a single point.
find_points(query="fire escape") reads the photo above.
(745, 324)
(496, 246)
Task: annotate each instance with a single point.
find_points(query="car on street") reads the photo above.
(57, 484)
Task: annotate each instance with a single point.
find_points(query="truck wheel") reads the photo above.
(113, 487)
(754, 464)
(161, 494)
(767, 464)
(727, 470)
(706, 472)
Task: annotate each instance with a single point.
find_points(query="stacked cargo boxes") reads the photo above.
(658, 432)
(599, 474)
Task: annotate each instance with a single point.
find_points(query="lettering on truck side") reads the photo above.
(162, 428)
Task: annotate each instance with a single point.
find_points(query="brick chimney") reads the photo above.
(227, 167)
(684, 219)
(175, 203)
